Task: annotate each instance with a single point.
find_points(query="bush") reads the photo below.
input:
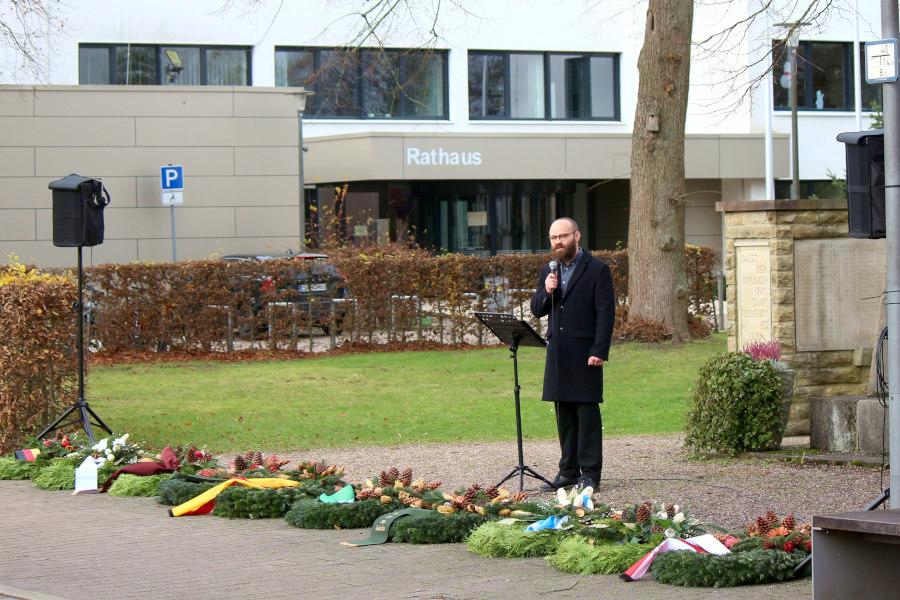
(136, 485)
(312, 514)
(436, 528)
(38, 367)
(735, 406)
(577, 555)
(58, 475)
(739, 568)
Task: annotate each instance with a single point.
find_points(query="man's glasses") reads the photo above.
(561, 237)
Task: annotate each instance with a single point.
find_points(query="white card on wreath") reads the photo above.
(86, 476)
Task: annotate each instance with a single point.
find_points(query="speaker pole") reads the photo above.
(83, 411)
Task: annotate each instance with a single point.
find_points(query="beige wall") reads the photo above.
(238, 147)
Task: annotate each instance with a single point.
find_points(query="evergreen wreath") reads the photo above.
(738, 568)
(436, 528)
(577, 554)
(136, 485)
(177, 490)
(13, 468)
(498, 540)
(247, 503)
(312, 514)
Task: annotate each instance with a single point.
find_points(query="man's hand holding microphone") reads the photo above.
(552, 281)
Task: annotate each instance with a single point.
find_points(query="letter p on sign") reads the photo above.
(171, 177)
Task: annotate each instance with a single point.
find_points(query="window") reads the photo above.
(368, 83)
(825, 77)
(142, 64)
(543, 85)
(823, 189)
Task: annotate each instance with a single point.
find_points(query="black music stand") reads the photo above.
(515, 333)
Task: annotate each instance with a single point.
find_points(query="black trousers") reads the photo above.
(580, 429)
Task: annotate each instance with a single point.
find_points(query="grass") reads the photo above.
(382, 398)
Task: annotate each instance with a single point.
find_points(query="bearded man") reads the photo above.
(578, 296)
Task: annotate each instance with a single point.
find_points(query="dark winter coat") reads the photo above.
(581, 325)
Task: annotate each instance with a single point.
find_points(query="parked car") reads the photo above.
(318, 285)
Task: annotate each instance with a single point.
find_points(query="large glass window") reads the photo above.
(871, 93)
(368, 83)
(824, 77)
(546, 85)
(146, 64)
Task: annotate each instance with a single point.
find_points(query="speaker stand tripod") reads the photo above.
(515, 333)
(80, 412)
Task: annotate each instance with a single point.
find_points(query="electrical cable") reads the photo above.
(882, 392)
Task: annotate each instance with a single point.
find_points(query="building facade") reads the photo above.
(469, 138)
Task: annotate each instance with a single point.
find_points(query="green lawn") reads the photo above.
(382, 398)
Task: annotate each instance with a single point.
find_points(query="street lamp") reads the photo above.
(793, 42)
(300, 98)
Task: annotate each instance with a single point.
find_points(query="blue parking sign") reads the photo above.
(171, 177)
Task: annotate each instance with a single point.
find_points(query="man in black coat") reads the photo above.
(578, 296)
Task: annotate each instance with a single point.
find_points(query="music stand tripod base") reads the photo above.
(514, 333)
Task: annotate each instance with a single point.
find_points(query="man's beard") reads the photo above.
(566, 253)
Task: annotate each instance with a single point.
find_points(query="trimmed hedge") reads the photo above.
(312, 514)
(436, 528)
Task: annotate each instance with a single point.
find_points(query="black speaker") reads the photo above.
(78, 204)
(865, 182)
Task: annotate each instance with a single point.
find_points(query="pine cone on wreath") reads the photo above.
(435, 485)
(492, 492)
(769, 545)
(656, 529)
(670, 510)
(471, 493)
(240, 463)
(772, 518)
(762, 525)
(406, 477)
(258, 458)
(789, 522)
(643, 513)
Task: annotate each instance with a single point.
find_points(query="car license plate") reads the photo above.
(316, 287)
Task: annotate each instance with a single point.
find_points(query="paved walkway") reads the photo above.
(54, 544)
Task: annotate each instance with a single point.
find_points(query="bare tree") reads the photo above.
(27, 31)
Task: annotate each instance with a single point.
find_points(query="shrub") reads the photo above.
(38, 367)
(735, 405)
(58, 475)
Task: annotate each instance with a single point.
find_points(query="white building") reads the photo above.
(516, 112)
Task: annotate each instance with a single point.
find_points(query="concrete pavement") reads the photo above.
(97, 546)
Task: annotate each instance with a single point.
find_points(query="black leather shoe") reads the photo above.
(588, 482)
(559, 482)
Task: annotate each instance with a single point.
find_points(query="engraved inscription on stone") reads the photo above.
(838, 284)
(754, 292)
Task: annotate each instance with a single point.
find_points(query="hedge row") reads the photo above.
(397, 296)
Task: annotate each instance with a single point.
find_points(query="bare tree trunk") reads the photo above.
(657, 281)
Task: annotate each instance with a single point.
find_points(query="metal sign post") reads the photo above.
(171, 178)
(881, 65)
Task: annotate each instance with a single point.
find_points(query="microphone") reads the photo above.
(553, 266)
